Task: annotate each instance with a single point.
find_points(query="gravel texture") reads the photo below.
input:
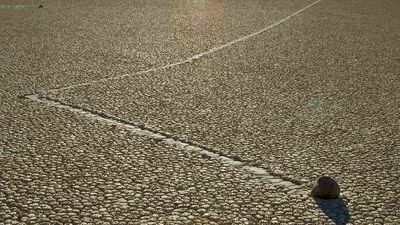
(317, 95)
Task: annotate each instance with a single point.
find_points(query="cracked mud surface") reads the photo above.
(60, 167)
(70, 42)
(316, 95)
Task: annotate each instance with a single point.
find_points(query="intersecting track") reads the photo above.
(282, 182)
(194, 57)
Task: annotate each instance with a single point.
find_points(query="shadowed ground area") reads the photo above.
(317, 94)
(335, 209)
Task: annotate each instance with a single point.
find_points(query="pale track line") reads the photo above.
(16, 6)
(194, 57)
(276, 179)
(280, 181)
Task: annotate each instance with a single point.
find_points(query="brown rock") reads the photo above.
(326, 188)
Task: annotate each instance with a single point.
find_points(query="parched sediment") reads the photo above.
(276, 179)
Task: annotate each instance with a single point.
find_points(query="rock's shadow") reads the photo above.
(335, 209)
